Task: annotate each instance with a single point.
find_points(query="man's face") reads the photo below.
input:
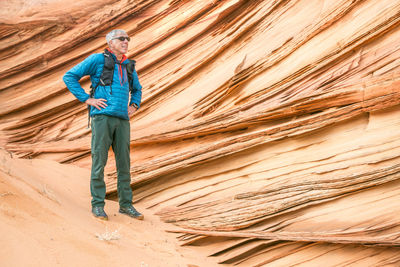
(119, 46)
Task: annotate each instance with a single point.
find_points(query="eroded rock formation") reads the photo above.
(269, 130)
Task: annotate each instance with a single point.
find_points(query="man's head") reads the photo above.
(118, 41)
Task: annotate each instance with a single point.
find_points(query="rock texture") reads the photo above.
(269, 130)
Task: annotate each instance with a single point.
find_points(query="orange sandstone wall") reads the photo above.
(269, 130)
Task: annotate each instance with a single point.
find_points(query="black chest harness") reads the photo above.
(106, 78)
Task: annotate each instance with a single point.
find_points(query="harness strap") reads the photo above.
(107, 76)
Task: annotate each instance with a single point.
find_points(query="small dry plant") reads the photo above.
(107, 236)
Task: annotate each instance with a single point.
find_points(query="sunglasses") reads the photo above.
(123, 38)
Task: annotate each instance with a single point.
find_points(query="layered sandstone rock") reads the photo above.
(269, 130)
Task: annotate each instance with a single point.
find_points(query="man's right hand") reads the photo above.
(97, 103)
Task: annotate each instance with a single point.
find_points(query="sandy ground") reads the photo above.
(45, 220)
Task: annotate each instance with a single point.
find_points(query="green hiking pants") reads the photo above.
(110, 131)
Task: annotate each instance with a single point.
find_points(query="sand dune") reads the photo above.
(46, 221)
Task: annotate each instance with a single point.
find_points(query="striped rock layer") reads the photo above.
(269, 132)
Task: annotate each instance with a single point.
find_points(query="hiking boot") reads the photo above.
(98, 212)
(131, 212)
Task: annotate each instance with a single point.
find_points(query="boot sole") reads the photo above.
(141, 217)
(101, 217)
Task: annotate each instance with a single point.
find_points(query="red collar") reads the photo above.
(123, 56)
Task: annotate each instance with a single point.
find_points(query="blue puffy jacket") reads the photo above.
(117, 95)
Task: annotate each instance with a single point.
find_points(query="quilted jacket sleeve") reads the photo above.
(72, 77)
(136, 94)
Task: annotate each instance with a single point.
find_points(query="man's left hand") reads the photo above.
(131, 110)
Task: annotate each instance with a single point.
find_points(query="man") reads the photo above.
(110, 109)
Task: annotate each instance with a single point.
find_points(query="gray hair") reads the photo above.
(112, 34)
